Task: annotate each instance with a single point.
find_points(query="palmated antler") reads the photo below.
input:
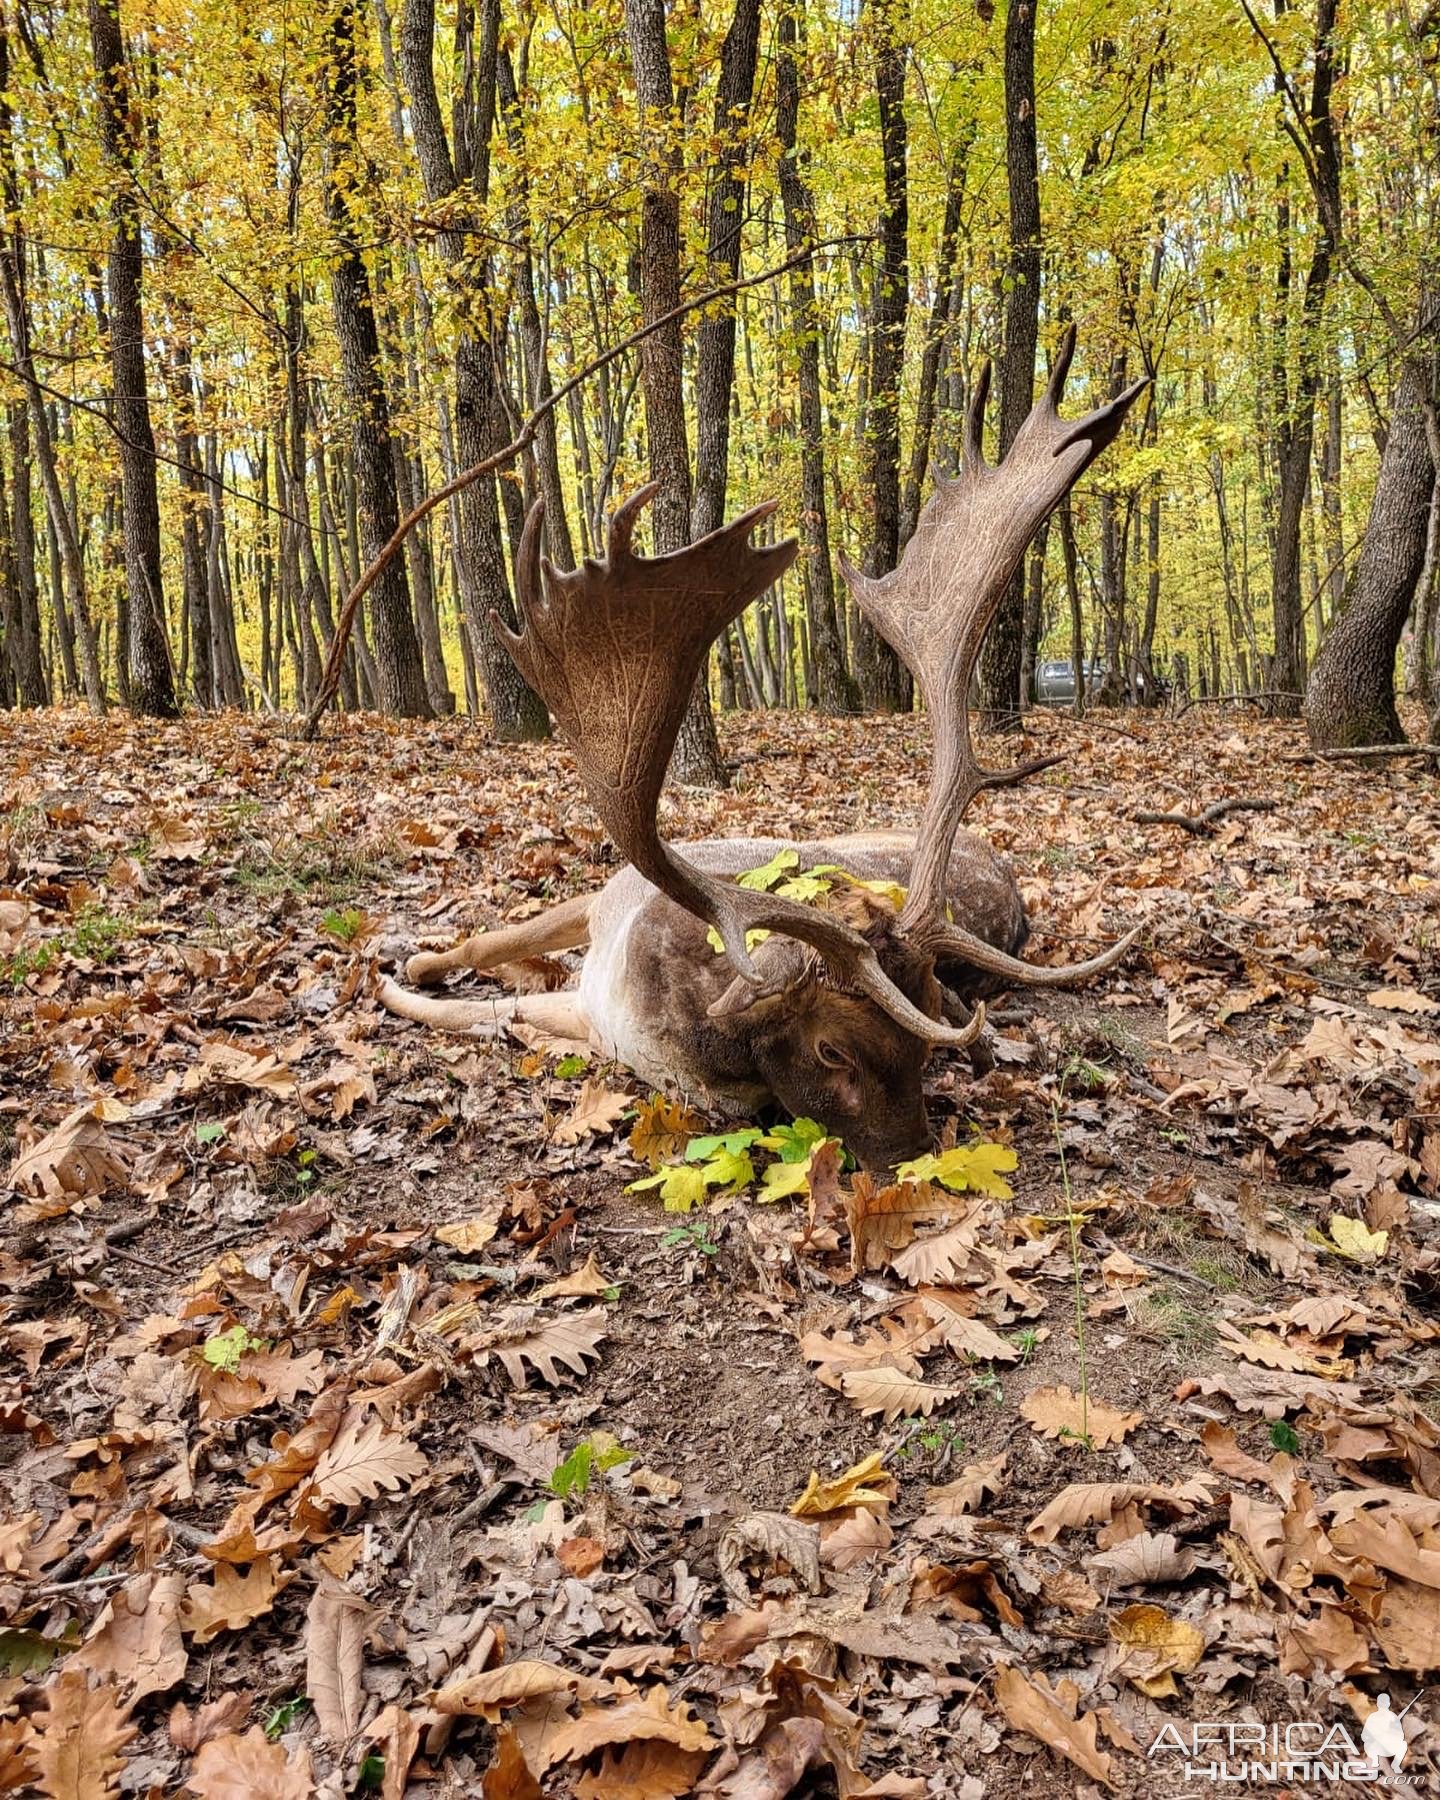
(614, 649)
(935, 607)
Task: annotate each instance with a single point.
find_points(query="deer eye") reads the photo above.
(830, 1056)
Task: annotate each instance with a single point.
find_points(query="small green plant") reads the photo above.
(592, 1456)
(30, 959)
(210, 1131)
(1283, 1436)
(693, 1235)
(1074, 1223)
(224, 1350)
(305, 1161)
(932, 1438)
(280, 1718)
(569, 1067)
(1173, 1135)
(1027, 1342)
(346, 924)
(371, 1773)
(985, 1384)
(96, 934)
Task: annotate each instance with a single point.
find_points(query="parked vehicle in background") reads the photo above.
(1055, 682)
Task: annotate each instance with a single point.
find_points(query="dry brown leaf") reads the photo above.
(883, 1220)
(662, 1129)
(643, 1770)
(772, 1538)
(335, 1625)
(509, 1777)
(481, 1696)
(567, 1341)
(1272, 1352)
(1056, 1412)
(364, 1460)
(893, 1394)
(1223, 1449)
(580, 1556)
(935, 1261)
(211, 1719)
(136, 1641)
(1402, 1000)
(967, 1337)
(470, 1235)
(18, 1767)
(232, 1600)
(1030, 1706)
(78, 1160)
(651, 1718)
(597, 1112)
(1158, 1646)
(1070, 1591)
(250, 1768)
(395, 1733)
(81, 1732)
(1145, 1559)
(968, 1490)
(1091, 1502)
(850, 1541)
(1390, 1544)
(1407, 1627)
(587, 1283)
(891, 1343)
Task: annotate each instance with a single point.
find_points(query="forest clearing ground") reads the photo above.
(191, 1063)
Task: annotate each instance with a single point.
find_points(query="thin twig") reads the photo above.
(1202, 824)
(1359, 750)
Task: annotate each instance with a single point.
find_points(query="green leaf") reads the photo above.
(730, 1169)
(701, 1149)
(27, 1652)
(752, 938)
(1283, 1436)
(224, 1350)
(209, 1133)
(681, 1185)
(968, 1167)
(570, 1066)
(782, 1179)
(283, 1716)
(761, 880)
(793, 1143)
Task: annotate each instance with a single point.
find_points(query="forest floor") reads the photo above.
(362, 1432)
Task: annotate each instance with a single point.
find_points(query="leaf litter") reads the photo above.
(361, 1427)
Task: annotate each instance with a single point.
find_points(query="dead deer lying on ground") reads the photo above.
(835, 1012)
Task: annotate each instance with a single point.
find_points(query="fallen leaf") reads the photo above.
(249, 1768)
(643, 1770)
(597, 1112)
(1145, 1560)
(858, 1486)
(1160, 1645)
(1031, 1706)
(509, 1777)
(136, 1642)
(1056, 1412)
(232, 1600)
(585, 1283)
(335, 1626)
(365, 1460)
(1402, 1000)
(512, 1684)
(78, 1160)
(651, 1718)
(893, 1393)
(81, 1732)
(970, 1488)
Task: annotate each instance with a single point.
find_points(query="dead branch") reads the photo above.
(1359, 750)
(1202, 824)
(345, 624)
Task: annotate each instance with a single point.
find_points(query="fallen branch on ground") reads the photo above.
(1359, 750)
(1202, 824)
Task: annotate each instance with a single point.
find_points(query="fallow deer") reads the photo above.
(834, 1013)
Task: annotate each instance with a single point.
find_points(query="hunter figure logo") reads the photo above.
(1384, 1734)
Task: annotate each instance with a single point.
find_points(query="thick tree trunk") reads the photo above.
(1003, 655)
(150, 685)
(884, 681)
(697, 750)
(397, 648)
(835, 690)
(1351, 696)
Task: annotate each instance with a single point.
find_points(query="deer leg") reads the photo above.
(559, 1014)
(563, 927)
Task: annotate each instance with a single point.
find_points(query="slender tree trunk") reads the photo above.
(697, 751)
(1000, 662)
(22, 634)
(835, 690)
(146, 649)
(1350, 699)
(516, 714)
(397, 648)
(884, 681)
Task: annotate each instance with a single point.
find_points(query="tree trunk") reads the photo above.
(151, 686)
(397, 648)
(697, 750)
(835, 690)
(1000, 662)
(1351, 696)
(884, 682)
(22, 625)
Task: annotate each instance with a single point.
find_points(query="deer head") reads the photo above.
(615, 647)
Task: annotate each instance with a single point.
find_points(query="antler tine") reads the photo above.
(936, 606)
(614, 649)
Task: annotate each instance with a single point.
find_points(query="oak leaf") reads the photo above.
(597, 1112)
(81, 1732)
(866, 1484)
(586, 1283)
(250, 1768)
(1145, 1560)
(78, 1160)
(567, 1341)
(968, 1490)
(933, 1261)
(136, 1641)
(470, 1235)
(509, 1776)
(363, 1461)
(1056, 1412)
(645, 1769)
(883, 1220)
(232, 1600)
(651, 1718)
(662, 1129)
(1159, 1646)
(512, 1684)
(336, 1623)
(891, 1344)
(1093, 1502)
(211, 1719)
(1032, 1707)
(893, 1393)
(775, 1538)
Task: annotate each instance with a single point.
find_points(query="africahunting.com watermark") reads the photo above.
(1235, 1751)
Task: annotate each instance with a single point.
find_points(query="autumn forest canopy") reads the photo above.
(272, 276)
